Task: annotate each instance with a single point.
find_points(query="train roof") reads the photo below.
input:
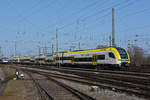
(92, 50)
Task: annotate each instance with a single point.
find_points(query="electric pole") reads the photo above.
(79, 45)
(45, 49)
(110, 40)
(113, 28)
(1, 55)
(56, 39)
(57, 45)
(15, 49)
(39, 50)
(52, 49)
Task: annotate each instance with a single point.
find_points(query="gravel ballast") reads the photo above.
(101, 94)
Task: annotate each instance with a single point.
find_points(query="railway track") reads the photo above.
(133, 83)
(141, 78)
(123, 72)
(78, 94)
(44, 95)
(139, 89)
(130, 69)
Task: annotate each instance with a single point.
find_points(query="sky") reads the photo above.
(32, 23)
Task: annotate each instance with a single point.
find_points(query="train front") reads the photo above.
(124, 58)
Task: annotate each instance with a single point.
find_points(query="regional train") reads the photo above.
(114, 57)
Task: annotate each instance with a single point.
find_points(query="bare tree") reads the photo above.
(137, 55)
(147, 60)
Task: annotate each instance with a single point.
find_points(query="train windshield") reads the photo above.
(122, 53)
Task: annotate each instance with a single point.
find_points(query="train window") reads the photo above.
(49, 60)
(66, 58)
(100, 57)
(111, 55)
(57, 58)
(90, 59)
(82, 59)
(76, 59)
(63, 58)
(122, 53)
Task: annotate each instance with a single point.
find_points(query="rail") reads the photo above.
(41, 89)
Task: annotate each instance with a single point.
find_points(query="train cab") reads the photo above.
(124, 58)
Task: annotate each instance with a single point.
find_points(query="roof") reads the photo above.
(91, 50)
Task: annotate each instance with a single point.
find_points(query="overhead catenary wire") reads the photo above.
(104, 16)
(139, 12)
(131, 14)
(23, 18)
(39, 10)
(87, 6)
(114, 5)
(105, 9)
(101, 11)
(10, 3)
(134, 13)
(81, 10)
(120, 18)
(74, 22)
(135, 28)
(127, 4)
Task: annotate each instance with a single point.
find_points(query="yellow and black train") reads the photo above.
(114, 57)
(100, 58)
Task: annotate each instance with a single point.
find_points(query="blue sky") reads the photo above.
(33, 22)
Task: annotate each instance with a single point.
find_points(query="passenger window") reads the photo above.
(111, 55)
(101, 57)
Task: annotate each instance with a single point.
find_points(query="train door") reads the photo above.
(54, 60)
(62, 58)
(72, 60)
(94, 59)
(44, 60)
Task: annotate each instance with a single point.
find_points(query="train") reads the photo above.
(110, 57)
(44, 59)
(115, 57)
